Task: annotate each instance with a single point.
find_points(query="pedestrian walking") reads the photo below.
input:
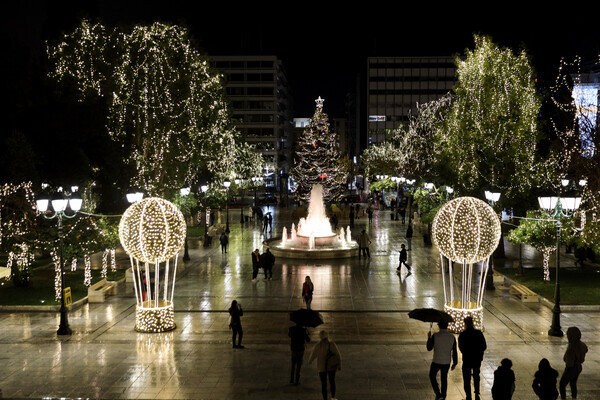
(363, 244)
(351, 216)
(504, 381)
(270, 221)
(357, 210)
(299, 337)
(409, 235)
(265, 222)
(255, 264)
(472, 345)
(329, 362)
(370, 214)
(544, 381)
(403, 259)
(235, 324)
(573, 358)
(403, 215)
(334, 222)
(267, 260)
(224, 240)
(307, 291)
(443, 344)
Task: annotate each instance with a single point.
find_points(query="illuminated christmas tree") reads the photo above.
(319, 160)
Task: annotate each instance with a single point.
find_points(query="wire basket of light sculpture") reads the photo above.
(152, 232)
(466, 230)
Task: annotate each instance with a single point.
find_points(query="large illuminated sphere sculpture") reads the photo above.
(152, 232)
(466, 230)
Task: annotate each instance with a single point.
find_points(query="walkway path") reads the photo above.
(364, 304)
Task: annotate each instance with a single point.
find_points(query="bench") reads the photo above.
(524, 293)
(98, 292)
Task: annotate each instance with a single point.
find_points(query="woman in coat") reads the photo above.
(235, 323)
(326, 366)
(307, 291)
(544, 381)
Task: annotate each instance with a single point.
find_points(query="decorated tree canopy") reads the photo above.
(166, 107)
(319, 160)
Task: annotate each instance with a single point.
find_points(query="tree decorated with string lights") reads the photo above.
(318, 159)
(165, 106)
(491, 133)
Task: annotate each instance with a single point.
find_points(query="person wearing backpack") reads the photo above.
(329, 362)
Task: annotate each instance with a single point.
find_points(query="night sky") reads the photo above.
(324, 47)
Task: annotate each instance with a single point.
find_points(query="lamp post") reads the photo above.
(204, 188)
(240, 182)
(492, 196)
(559, 210)
(59, 204)
(227, 183)
(185, 192)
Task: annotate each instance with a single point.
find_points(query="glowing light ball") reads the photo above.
(152, 230)
(466, 230)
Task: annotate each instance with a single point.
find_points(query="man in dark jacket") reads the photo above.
(299, 336)
(255, 264)
(267, 260)
(472, 344)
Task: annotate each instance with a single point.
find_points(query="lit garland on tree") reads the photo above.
(165, 104)
(492, 134)
(318, 159)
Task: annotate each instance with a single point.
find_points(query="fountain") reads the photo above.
(314, 238)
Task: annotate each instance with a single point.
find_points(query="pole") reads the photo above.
(227, 208)
(555, 329)
(63, 328)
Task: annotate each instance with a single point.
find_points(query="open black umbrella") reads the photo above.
(306, 317)
(430, 315)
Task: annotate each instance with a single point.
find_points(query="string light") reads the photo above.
(141, 74)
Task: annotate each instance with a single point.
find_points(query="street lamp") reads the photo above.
(240, 182)
(204, 188)
(134, 195)
(59, 204)
(559, 206)
(185, 192)
(492, 196)
(227, 183)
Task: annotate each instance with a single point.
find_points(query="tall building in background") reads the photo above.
(257, 89)
(586, 95)
(396, 85)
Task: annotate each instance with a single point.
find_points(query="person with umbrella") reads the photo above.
(328, 362)
(443, 344)
(299, 336)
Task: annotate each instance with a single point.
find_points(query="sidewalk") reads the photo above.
(364, 304)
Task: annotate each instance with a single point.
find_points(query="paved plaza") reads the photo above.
(364, 303)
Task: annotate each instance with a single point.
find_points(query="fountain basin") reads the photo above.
(301, 250)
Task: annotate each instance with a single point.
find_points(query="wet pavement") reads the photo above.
(364, 303)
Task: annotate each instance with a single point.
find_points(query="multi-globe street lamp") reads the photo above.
(558, 207)
(59, 204)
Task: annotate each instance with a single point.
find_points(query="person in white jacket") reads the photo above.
(328, 362)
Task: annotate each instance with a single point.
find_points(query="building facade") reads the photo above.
(261, 105)
(396, 85)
